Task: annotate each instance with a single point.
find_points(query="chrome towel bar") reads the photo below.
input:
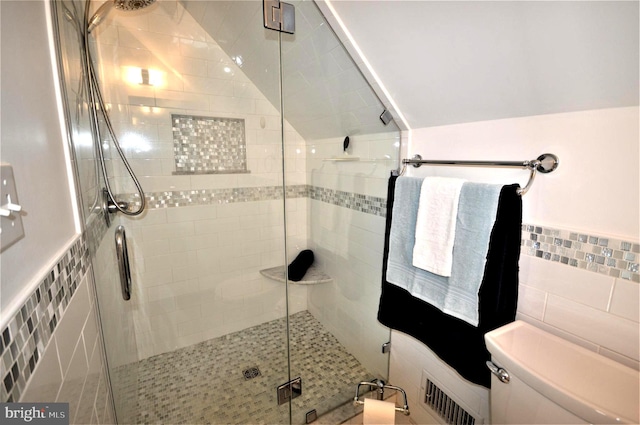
(545, 163)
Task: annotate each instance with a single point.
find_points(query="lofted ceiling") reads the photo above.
(446, 62)
(441, 62)
(324, 93)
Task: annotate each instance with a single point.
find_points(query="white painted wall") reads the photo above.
(594, 191)
(32, 142)
(71, 367)
(446, 62)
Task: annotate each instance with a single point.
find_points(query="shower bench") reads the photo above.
(313, 276)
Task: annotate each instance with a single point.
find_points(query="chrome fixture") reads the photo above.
(106, 7)
(97, 104)
(380, 386)
(386, 117)
(279, 16)
(545, 163)
(289, 390)
(123, 262)
(501, 373)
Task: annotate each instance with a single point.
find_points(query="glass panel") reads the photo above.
(335, 337)
(116, 315)
(205, 140)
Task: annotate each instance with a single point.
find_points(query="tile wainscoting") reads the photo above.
(29, 331)
(27, 334)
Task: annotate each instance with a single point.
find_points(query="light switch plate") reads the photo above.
(11, 229)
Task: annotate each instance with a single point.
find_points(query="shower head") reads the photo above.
(103, 11)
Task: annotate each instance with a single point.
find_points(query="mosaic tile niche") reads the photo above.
(209, 145)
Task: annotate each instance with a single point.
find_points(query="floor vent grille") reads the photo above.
(445, 407)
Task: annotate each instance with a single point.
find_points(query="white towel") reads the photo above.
(436, 224)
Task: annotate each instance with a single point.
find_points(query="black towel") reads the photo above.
(300, 265)
(456, 342)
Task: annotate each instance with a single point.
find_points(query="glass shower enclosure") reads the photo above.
(251, 145)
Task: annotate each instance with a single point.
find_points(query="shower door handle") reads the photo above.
(123, 262)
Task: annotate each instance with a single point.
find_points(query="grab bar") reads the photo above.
(123, 262)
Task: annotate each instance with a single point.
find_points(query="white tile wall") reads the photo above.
(199, 79)
(595, 311)
(348, 244)
(197, 268)
(72, 367)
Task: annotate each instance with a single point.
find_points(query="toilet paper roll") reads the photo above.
(378, 412)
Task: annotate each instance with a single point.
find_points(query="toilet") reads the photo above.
(539, 378)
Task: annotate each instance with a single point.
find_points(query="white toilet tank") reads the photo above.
(553, 381)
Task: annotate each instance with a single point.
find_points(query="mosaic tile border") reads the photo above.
(607, 256)
(185, 198)
(355, 201)
(96, 228)
(29, 331)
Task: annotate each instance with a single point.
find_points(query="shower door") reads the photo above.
(337, 341)
(237, 186)
(204, 336)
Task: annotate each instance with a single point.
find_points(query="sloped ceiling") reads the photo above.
(324, 93)
(442, 62)
(446, 62)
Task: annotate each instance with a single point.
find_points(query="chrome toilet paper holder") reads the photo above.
(380, 386)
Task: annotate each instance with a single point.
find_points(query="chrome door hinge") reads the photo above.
(279, 16)
(289, 390)
(386, 347)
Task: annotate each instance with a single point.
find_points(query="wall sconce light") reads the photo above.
(143, 76)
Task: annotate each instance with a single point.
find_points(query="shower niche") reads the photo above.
(228, 135)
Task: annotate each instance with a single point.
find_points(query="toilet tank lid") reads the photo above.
(587, 384)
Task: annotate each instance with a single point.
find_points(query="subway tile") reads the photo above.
(90, 333)
(625, 300)
(159, 307)
(531, 301)
(167, 231)
(181, 100)
(71, 390)
(71, 325)
(590, 289)
(46, 378)
(615, 333)
(154, 277)
(90, 388)
(204, 212)
(573, 338)
(165, 183)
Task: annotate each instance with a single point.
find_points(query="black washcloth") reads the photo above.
(300, 265)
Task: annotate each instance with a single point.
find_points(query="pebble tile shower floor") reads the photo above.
(204, 383)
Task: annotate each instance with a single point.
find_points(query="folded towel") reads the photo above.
(300, 265)
(402, 233)
(436, 224)
(456, 342)
(476, 216)
(456, 295)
